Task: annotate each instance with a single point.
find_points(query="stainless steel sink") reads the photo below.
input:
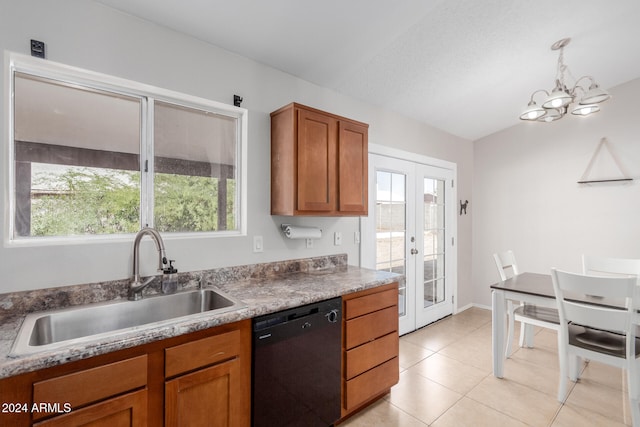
(55, 329)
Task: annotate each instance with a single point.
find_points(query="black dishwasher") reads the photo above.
(296, 366)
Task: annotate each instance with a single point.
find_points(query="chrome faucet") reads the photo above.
(136, 287)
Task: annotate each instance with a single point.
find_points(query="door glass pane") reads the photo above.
(391, 226)
(433, 231)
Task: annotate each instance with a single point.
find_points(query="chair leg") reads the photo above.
(526, 335)
(563, 360)
(633, 386)
(575, 364)
(510, 327)
(635, 412)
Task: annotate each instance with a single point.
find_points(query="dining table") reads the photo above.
(528, 288)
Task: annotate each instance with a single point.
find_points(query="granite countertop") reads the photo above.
(267, 291)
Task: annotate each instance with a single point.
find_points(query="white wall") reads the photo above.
(527, 198)
(88, 35)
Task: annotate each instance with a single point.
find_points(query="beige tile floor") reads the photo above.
(446, 380)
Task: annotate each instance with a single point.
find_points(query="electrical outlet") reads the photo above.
(258, 244)
(309, 243)
(356, 237)
(337, 238)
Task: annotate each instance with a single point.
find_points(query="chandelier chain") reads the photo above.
(561, 70)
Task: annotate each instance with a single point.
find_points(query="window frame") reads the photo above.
(148, 94)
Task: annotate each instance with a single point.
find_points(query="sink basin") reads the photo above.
(55, 329)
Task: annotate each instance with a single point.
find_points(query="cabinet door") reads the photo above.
(106, 381)
(129, 410)
(353, 150)
(209, 397)
(317, 139)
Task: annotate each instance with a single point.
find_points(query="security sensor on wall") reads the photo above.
(37, 48)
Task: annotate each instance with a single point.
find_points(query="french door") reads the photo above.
(410, 231)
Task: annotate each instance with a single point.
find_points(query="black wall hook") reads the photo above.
(463, 207)
(237, 100)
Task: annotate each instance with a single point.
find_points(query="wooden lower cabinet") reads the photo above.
(184, 405)
(199, 379)
(129, 410)
(370, 346)
(78, 389)
(211, 396)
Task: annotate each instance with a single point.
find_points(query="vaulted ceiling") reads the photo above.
(467, 67)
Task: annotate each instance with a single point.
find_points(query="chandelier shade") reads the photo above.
(533, 112)
(557, 103)
(583, 110)
(594, 95)
(558, 98)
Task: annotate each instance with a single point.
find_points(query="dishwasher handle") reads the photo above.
(303, 313)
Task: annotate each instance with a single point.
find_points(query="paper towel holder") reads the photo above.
(317, 232)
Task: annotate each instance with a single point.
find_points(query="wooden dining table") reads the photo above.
(530, 288)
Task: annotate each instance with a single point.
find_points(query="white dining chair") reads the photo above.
(598, 331)
(527, 314)
(606, 266)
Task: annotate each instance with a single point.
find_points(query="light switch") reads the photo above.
(258, 244)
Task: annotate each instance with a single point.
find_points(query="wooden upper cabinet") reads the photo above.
(318, 163)
(317, 139)
(353, 152)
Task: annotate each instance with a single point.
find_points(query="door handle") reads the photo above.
(414, 251)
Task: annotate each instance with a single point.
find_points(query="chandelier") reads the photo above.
(557, 103)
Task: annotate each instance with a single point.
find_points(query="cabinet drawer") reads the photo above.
(362, 305)
(127, 410)
(371, 383)
(370, 355)
(196, 354)
(367, 328)
(92, 385)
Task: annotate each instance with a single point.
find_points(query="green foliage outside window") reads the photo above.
(190, 203)
(85, 201)
(82, 201)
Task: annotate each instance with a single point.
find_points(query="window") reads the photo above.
(96, 155)
(194, 181)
